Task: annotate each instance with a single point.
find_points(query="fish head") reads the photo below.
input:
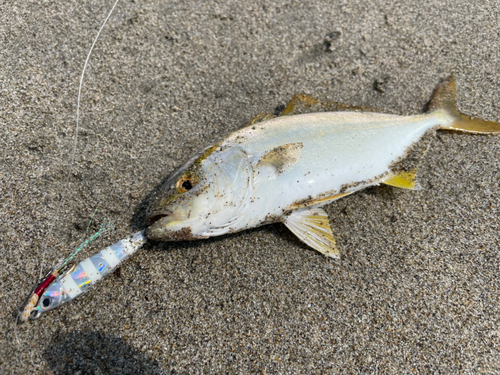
(207, 197)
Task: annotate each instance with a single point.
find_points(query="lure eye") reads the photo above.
(186, 183)
(46, 302)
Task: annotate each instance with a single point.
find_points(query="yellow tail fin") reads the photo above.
(444, 98)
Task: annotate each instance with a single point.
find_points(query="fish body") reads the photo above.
(338, 152)
(316, 156)
(285, 169)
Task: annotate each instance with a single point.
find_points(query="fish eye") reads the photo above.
(186, 183)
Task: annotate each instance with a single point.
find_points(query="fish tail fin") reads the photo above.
(444, 98)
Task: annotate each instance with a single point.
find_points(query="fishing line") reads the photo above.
(104, 228)
(73, 154)
(72, 160)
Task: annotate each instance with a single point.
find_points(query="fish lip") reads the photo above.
(154, 217)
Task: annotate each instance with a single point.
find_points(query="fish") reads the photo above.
(274, 169)
(285, 169)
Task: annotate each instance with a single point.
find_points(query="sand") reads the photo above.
(417, 288)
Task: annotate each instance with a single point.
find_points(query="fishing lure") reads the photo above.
(281, 169)
(63, 284)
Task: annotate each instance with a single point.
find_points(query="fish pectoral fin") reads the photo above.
(311, 226)
(282, 157)
(262, 116)
(403, 180)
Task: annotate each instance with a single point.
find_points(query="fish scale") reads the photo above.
(352, 147)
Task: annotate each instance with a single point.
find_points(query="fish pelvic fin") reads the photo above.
(444, 99)
(403, 180)
(312, 227)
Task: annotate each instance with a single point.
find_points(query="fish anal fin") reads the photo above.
(319, 201)
(403, 180)
(304, 103)
(282, 157)
(312, 227)
(262, 116)
(444, 99)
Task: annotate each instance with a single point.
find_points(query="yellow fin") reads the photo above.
(262, 116)
(313, 228)
(444, 99)
(299, 100)
(304, 103)
(316, 201)
(403, 180)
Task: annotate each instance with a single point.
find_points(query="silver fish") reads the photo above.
(285, 169)
(273, 170)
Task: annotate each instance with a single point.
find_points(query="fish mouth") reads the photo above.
(157, 216)
(158, 228)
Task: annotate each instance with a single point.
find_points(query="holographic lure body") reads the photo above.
(53, 291)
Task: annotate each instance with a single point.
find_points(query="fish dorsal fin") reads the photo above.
(282, 157)
(304, 103)
(299, 101)
(312, 227)
(262, 116)
(403, 180)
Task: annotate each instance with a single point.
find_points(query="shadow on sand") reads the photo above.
(89, 352)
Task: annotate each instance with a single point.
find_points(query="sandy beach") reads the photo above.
(417, 289)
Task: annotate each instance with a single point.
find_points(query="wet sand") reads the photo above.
(417, 288)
